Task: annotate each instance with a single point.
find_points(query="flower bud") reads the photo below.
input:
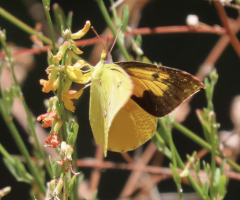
(75, 49)
(58, 187)
(61, 52)
(192, 21)
(82, 32)
(4, 191)
(57, 126)
(69, 152)
(52, 185)
(2, 35)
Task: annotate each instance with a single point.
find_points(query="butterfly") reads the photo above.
(126, 98)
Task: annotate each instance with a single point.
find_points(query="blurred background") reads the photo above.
(185, 51)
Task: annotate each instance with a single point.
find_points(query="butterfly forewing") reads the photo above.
(111, 88)
(159, 90)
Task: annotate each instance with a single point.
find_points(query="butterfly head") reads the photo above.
(106, 57)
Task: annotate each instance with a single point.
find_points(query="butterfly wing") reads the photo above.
(131, 127)
(159, 90)
(111, 88)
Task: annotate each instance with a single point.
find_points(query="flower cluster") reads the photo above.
(61, 75)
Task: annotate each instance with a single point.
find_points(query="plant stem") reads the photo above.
(23, 149)
(46, 9)
(213, 165)
(202, 143)
(75, 186)
(29, 118)
(181, 164)
(190, 178)
(29, 30)
(23, 26)
(6, 154)
(110, 25)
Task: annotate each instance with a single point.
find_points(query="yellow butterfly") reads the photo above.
(126, 98)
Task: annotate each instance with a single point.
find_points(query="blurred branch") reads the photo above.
(135, 175)
(225, 22)
(96, 174)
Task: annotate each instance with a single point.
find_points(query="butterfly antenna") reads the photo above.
(99, 38)
(116, 38)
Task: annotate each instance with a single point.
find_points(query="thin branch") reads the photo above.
(95, 175)
(217, 51)
(133, 178)
(224, 19)
(141, 31)
(127, 157)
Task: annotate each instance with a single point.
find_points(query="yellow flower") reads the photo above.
(72, 94)
(67, 95)
(50, 83)
(75, 74)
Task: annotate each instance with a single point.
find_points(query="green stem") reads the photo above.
(202, 143)
(46, 9)
(29, 118)
(75, 167)
(190, 178)
(213, 166)
(23, 26)
(23, 149)
(181, 164)
(160, 139)
(63, 116)
(29, 30)
(6, 154)
(110, 25)
(171, 145)
(169, 140)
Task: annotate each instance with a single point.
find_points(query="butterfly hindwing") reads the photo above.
(159, 90)
(131, 127)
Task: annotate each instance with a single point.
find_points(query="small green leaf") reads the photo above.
(206, 168)
(60, 17)
(75, 132)
(70, 139)
(138, 40)
(222, 166)
(125, 17)
(214, 187)
(222, 185)
(206, 187)
(161, 145)
(50, 160)
(70, 185)
(69, 20)
(18, 170)
(56, 170)
(197, 166)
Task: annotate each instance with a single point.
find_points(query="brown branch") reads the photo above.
(127, 157)
(95, 175)
(133, 178)
(217, 51)
(178, 29)
(141, 31)
(224, 19)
